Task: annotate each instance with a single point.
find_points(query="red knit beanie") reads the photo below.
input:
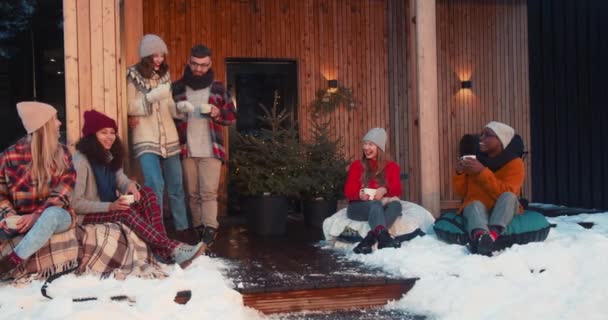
(95, 121)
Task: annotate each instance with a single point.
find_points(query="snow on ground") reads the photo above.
(565, 277)
(212, 297)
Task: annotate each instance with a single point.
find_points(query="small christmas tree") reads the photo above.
(270, 162)
(324, 171)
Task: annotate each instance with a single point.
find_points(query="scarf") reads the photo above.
(515, 149)
(106, 182)
(197, 82)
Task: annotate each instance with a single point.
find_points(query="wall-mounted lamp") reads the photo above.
(332, 85)
(468, 84)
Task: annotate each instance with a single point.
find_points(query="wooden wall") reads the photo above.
(92, 62)
(569, 116)
(485, 41)
(331, 39)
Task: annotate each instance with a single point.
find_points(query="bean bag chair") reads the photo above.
(341, 231)
(529, 226)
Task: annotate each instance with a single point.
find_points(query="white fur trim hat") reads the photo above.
(504, 132)
(34, 114)
(377, 136)
(151, 44)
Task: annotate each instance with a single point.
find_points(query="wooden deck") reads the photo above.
(294, 273)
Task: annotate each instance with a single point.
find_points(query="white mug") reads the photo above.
(11, 221)
(370, 192)
(128, 198)
(468, 156)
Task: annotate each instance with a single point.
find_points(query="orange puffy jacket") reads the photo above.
(487, 186)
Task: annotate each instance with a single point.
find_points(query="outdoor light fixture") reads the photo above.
(466, 84)
(332, 85)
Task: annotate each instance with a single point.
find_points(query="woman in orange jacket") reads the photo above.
(489, 183)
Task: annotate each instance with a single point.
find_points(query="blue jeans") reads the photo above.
(157, 171)
(53, 220)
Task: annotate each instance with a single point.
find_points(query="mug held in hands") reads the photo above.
(11, 224)
(370, 192)
(127, 198)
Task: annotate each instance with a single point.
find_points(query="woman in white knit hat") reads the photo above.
(490, 184)
(154, 136)
(371, 181)
(36, 178)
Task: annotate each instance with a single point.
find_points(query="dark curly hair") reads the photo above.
(97, 154)
(145, 67)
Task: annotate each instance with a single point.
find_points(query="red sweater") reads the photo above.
(392, 177)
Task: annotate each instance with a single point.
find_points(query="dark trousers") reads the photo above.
(374, 213)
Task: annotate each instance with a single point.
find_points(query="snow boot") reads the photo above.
(386, 241)
(208, 235)
(365, 246)
(484, 244)
(184, 254)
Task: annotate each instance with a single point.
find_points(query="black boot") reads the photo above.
(386, 241)
(208, 236)
(365, 246)
(484, 244)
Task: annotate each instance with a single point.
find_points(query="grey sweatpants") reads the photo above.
(477, 216)
(374, 212)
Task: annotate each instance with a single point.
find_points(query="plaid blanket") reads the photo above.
(58, 254)
(114, 249)
(109, 249)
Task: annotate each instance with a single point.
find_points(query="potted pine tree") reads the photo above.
(323, 174)
(264, 171)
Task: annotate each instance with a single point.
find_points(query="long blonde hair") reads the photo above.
(48, 158)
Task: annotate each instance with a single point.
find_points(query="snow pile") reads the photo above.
(212, 297)
(565, 277)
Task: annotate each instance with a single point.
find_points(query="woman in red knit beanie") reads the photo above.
(373, 182)
(101, 181)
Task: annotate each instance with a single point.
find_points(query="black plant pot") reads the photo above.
(315, 211)
(266, 215)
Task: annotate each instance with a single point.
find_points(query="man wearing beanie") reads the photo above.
(206, 108)
(490, 184)
(155, 141)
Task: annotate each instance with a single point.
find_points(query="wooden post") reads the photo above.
(70, 47)
(426, 74)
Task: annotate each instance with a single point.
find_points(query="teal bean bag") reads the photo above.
(530, 226)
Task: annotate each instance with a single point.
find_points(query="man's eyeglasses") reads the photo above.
(195, 65)
(485, 134)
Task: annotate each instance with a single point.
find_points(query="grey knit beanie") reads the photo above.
(377, 136)
(151, 44)
(504, 132)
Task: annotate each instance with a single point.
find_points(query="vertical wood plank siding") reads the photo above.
(485, 42)
(92, 60)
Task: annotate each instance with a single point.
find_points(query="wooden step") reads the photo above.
(325, 299)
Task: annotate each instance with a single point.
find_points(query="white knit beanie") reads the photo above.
(151, 44)
(377, 136)
(504, 132)
(34, 114)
